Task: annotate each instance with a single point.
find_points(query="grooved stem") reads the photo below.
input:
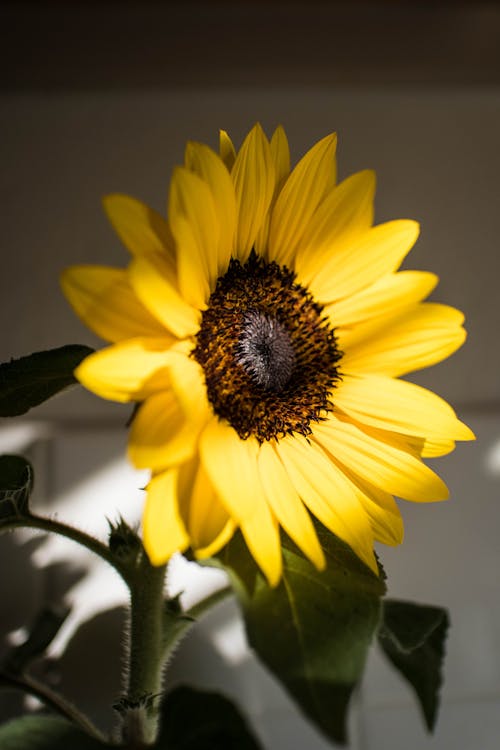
(145, 654)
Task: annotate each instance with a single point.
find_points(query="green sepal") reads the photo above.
(314, 629)
(413, 638)
(45, 733)
(199, 720)
(16, 485)
(31, 380)
(41, 634)
(124, 541)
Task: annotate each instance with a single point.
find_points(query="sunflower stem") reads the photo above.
(140, 707)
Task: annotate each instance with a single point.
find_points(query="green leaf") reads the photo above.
(42, 633)
(16, 485)
(313, 631)
(31, 380)
(44, 733)
(413, 638)
(198, 720)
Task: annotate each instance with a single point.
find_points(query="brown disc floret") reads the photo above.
(269, 354)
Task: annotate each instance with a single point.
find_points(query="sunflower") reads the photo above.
(263, 327)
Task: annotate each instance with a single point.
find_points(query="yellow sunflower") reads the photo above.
(263, 326)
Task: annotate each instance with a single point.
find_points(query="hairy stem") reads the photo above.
(145, 662)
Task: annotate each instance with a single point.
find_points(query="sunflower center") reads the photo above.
(265, 351)
(268, 352)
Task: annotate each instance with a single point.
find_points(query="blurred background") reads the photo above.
(98, 97)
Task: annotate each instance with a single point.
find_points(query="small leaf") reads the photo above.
(199, 720)
(16, 485)
(312, 631)
(44, 733)
(42, 633)
(31, 380)
(413, 638)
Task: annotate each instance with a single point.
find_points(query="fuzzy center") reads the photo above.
(265, 351)
(268, 352)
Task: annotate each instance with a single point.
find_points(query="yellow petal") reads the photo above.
(226, 149)
(151, 279)
(193, 278)
(432, 447)
(218, 542)
(231, 465)
(261, 534)
(205, 163)
(141, 229)
(187, 380)
(131, 370)
(328, 494)
(362, 259)
(161, 435)
(209, 524)
(386, 466)
(104, 300)
(399, 406)
(280, 154)
(424, 335)
(347, 210)
(385, 517)
(387, 526)
(194, 225)
(287, 506)
(254, 180)
(305, 188)
(163, 530)
(391, 293)
(366, 333)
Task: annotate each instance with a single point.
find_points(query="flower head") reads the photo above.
(263, 326)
